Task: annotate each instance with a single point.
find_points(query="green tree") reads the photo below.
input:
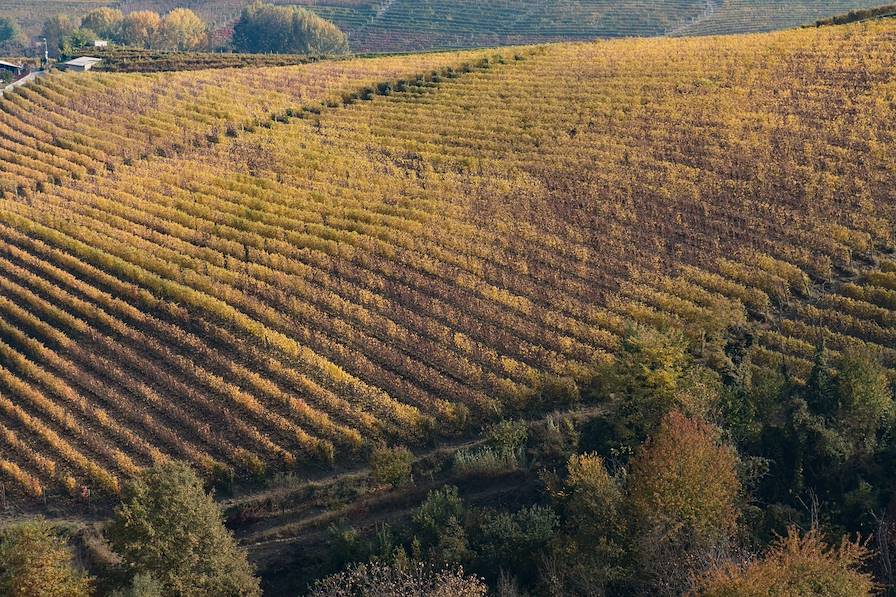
(104, 21)
(168, 527)
(820, 390)
(392, 466)
(286, 29)
(56, 29)
(683, 493)
(36, 562)
(9, 31)
(795, 566)
(591, 553)
(182, 29)
(78, 38)
(865, 399)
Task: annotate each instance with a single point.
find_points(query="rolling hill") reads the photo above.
(259, 270)
(417, 25)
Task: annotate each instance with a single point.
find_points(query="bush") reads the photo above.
(392, 466)
(168, 528)
(416, 580)
(35, 561)
(795, 566)
(488, 461)
(9, 31)
(508, 435)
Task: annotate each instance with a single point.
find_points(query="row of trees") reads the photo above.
(180, 29)
(262, 28)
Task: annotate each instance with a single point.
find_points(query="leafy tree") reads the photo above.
(140, 28)
(416, 580)
(78, 38)
(652, 374)
(56, 29)
(286, 29)
(104, 21)
(436, 512)
(168, 527)
(683, 492)
(795, 566)
(392, 466)
(142, 585)
(36, 562)
(182, 29)
(591, 553)
(821, 393)
(9, 31)
(865, 399)
(512, 541)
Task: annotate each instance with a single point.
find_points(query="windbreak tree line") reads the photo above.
(287, 30)
(262, 28)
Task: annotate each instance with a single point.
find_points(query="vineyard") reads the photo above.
(257, 270)
(377, 26)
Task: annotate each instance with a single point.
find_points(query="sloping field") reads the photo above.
(434, 251)
(416, 25)
(743, 16)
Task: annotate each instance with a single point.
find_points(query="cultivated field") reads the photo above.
(194, 266)
(415, 25)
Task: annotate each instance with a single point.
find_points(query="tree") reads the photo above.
(105, 22)
(415, 580)
(182, 29)
(392, 466)
(286, 29)
(591, 553)
(9, 31)
(56, 29)
(820, 390)
(865, 399)
(683, 492)
(78, 38)
(140, 28)
(36, 562)
(795, 565)
(167, 527)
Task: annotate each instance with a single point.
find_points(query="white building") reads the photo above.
(82, 64)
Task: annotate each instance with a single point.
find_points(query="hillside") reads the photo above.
(194, 266)
(415, 25)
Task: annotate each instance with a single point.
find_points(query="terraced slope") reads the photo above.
(743, 16)
(445, 249)
(415, 25)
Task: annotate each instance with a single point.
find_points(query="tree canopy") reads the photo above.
(287, 30)
(169, 528)
(36, 562)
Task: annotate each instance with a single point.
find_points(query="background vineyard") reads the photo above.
(415, 25)
(268, 269)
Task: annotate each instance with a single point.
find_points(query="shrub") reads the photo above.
(508, 435)
(35, 561)
(381, 580)
(795, 565)
(488, 461)
(392, 466)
